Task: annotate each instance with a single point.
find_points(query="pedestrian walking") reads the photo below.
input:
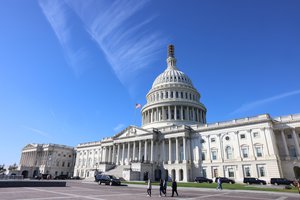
(161, 187)
(149, 187)
(174, 187)
(165, 186)
(219, 181)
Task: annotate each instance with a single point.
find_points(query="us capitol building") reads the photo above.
(175, 141)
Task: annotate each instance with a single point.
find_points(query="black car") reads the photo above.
(75, 178)
(203, 180)
(108, 180)
(225, 180)
(254, 181)
(61, 177)
(281, 181)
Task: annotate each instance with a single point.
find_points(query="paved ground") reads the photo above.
(78, 190)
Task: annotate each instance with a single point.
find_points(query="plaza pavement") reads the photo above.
(81, 190)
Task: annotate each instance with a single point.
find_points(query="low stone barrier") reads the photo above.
(31, 183)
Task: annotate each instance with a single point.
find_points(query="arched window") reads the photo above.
(229, 152)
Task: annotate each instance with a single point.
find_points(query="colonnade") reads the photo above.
(164, 113)
(28, 158)
(287, 151)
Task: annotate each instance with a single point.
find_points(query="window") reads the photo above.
(255, 134)
(245, 152)
(230, 172)
(258, 150)
(204, 172)
(242, 136)
(203, 155)
(213, 139)
(289, 136)
(167, 93)
(261, 170)
(171, 94)
(292, 152)
(70, 156)
(63, 164)
(181, 94)
(227, 138)
(247, 172)
(229, 153)
(214, 155)
(176, 94)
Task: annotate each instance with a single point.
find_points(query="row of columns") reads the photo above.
(116, 153)
(28, 158)
(296, 142)
(174, 113)
(171, 95)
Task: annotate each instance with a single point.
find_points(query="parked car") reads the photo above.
(108, 180)
(61, 177)
(203, 180)
(281, 181)
(75, 177)
(225, 180)
(254, 181)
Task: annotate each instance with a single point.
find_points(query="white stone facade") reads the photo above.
(176, 141)
(50, 159)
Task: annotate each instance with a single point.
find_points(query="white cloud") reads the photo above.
(119, 127)
(37, 131)
(258, 103)
(129, 43)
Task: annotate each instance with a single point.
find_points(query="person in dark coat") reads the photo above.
(174, 187)
(165, 186)
(161, 187)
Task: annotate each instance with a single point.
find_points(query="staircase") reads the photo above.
(117, 171)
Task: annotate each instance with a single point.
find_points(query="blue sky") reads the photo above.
(72, 71)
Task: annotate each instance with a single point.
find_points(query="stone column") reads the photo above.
(151, 151)
(177, 150)
(169, 112)
(193, 112)
(163, 151)
(163, 113)
(181, 112)
(146, 144)
(109, 154)
(184, 149)
(133, 151)
(123, 153)
(118, 155)
(175, 112)
(128, 153)
(296, 142)
(238, 145)
(113, 154)
(187, 113)
(170, 151)
(140, 149)
(286, 151)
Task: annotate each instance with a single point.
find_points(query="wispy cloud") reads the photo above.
(119, 127)
(258, 103)
(126, 38)
(58, 15)
(37, 131)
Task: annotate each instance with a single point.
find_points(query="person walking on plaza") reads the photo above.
(165, 186)
(174, 187)
(149, 187)
(161, 187)
(219, 184)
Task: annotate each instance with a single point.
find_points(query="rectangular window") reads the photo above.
(230, 172)
(247, 172)
(261, 170)
(203, 155)
(245, 152)
(171, 95)
(176, 94)
(214, 155)
(289, 136)
(204, 172)
(258, 151)
(292, 151)
(212, 139)
(216, 173)
(256, 134)
(243, 136)
(63, 164)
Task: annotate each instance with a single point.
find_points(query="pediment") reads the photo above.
(131, 131)
(30, 146)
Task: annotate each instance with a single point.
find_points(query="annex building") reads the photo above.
(175, 140)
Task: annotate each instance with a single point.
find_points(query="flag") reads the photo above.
(137, 105)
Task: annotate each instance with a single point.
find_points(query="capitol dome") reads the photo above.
(172, 99)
